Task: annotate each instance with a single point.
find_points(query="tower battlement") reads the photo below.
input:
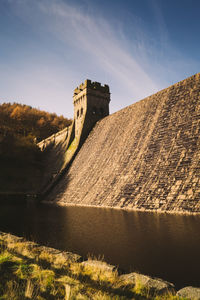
(96, 86)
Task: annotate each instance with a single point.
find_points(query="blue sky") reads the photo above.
(138, 47)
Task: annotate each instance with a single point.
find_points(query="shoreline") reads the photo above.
(22, 198)
(135, 209)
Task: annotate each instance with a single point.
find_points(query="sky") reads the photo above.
(137, 47)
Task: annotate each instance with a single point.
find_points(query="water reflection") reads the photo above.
(160, 245)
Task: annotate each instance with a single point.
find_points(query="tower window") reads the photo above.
(101, 110)
(94, 110)
(81, 111)
(77, 113)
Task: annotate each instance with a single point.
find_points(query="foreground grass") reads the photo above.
(27, 272)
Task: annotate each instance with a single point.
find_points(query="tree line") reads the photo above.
(24, 120)
(22, 125)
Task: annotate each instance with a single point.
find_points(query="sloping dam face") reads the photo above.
(146, 156)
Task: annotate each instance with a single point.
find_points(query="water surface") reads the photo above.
(161, 245)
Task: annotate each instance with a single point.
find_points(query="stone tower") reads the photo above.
(91, 103)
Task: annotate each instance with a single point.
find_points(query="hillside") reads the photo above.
(21, 160)
(145, 156)
(24, 120)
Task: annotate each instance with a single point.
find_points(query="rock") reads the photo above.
(57, 257)
(189, 292)
(35, 251)
(153, 285)
(100, 265)
(67, 256)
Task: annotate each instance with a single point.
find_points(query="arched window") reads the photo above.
(102, 111)
(94, 110)
(77, 113)
(81, 111)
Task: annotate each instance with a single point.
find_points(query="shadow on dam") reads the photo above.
(160, 245)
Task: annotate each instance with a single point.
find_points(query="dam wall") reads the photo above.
(91, 103)
(146, 156)
(59, 150)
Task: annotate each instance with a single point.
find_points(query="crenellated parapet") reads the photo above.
(92, 86)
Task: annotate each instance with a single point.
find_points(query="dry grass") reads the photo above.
(31, 272)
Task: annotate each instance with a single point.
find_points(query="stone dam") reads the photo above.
(145, 156)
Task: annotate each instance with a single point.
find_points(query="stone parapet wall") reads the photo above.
(95, 86)
(146, 156)
(54, 138)
(59, 150)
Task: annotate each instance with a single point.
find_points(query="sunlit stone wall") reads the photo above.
(91, 103)
(146, 156)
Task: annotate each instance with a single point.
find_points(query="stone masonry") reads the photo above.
(146, 156)
(91, 103)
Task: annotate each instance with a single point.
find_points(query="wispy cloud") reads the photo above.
(86, 44)
(94, 36)
(163, 36)
(97, 40)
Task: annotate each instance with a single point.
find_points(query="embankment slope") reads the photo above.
(146, 156)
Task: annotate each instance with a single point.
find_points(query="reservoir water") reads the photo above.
(160, 245)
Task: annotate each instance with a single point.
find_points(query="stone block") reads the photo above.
(153, 285)
(189, 292)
